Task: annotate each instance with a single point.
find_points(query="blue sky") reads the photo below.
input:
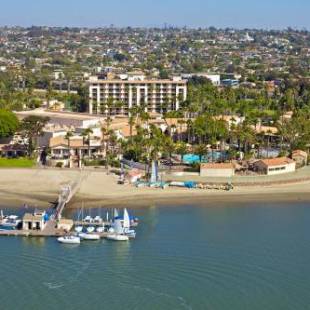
(192, 13)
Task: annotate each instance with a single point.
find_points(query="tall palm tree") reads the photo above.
(87, 132)
(68, 136)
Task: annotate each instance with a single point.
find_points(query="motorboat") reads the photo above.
(97, 220)
(69, 239)
(88, 219)
(117, 237)
(10, 222)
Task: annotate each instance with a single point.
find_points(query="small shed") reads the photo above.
(217, 170)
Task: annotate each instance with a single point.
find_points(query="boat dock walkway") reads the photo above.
(66, 194)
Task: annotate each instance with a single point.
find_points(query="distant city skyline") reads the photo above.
(265, 14)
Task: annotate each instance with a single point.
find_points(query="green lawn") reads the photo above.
(16, 163)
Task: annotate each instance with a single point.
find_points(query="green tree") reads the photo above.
(32, 127)
(8, 123)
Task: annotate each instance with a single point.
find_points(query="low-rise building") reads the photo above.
(70, 153)
(35, 221)
(217, 170)
(274, 166)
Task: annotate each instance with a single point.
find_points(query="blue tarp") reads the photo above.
(190, 184)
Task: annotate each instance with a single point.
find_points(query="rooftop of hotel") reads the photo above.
(143, 80)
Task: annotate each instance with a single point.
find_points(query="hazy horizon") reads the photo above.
(239, 14)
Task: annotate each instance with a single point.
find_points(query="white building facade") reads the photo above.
(156, 96)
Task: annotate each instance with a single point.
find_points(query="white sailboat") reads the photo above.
(117, 235)
(79, 229)
(126, 225)
(89, 235)
(115, 213)
(100, 229)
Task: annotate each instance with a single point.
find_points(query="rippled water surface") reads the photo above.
(187, 257)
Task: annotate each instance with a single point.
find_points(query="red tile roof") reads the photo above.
(217, 166)
(277, 161)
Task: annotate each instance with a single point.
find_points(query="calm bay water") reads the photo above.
(249, 256)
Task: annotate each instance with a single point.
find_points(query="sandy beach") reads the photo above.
(40, 187)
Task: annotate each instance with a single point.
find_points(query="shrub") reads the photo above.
(59, 164)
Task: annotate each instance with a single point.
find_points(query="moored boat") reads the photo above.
(9, 222)
(117, 237)
(116, 232)
(90, 237)
(100, 230)
(69, 240)
(79, 229)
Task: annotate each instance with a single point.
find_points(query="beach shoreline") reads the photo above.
(40, 188)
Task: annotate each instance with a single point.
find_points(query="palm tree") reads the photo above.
(87, 132)
(169, 147)
(181, 149)
(200, 150)
(68, 136)
(106, 132)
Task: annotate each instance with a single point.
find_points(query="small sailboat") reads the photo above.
(115, 213)
(126, 225)
(88, 219)
(116, 232)
(90, 229)
(89, 235)
(100, 229)
(69, 239)
(98, 219)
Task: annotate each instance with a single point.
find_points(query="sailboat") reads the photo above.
(89, 235)
(118, 229)
(116, 215)
(79, 229)
(126, 225)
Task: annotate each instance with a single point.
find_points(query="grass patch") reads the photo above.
(16, 163)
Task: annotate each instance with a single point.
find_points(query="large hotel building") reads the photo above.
(128, 91)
